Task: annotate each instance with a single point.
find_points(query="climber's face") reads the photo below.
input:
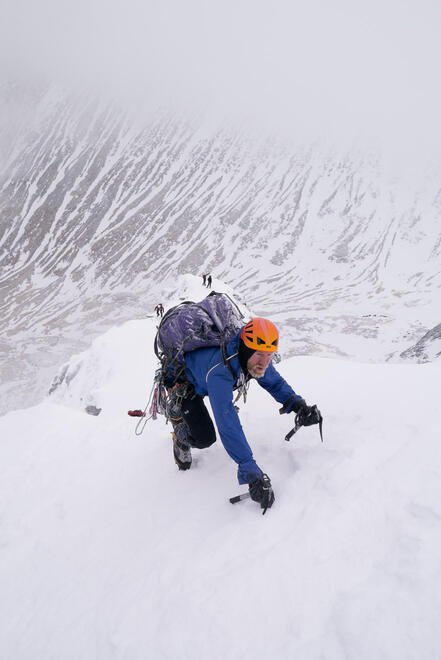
(258, 363)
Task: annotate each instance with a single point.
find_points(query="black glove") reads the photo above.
(261, 490)
(293, 404)
(309, 415)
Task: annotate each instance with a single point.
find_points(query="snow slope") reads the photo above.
(341, 247)
(107, 551)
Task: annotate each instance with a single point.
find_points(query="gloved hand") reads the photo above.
(293, 404)
(308, 415)
(261, 490)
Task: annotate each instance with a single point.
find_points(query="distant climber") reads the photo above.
(159, 309)
(209, 282)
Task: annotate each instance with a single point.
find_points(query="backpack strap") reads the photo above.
(218, 364)
(225, 358)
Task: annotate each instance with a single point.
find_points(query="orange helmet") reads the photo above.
(260, 335)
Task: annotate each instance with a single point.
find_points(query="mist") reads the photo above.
(340, 70)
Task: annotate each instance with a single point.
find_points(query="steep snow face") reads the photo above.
(108, 551)
(101, 213)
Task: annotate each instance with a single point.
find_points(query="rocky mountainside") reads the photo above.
(428, 348)
(100, 213)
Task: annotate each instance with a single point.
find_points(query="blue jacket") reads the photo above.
(206, 370)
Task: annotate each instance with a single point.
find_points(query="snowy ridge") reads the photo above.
(101, 212)
(108, 551)
(89, 379)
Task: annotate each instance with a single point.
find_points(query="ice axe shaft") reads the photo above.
(299, 423)
(289, 435)
(239, 498)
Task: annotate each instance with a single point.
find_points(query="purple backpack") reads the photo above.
(188, 326)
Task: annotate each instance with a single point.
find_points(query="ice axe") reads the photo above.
(313, 416)
(239, 498)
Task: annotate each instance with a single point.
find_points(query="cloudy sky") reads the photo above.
(305, 65)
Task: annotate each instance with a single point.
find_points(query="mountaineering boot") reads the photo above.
(181, 453)
(181, 447)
